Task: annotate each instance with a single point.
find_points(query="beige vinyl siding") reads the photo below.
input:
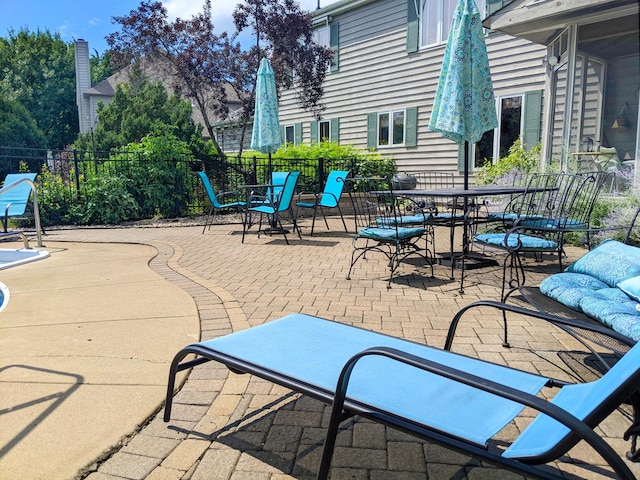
(377, 74)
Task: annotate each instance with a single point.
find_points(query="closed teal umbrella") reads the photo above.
(265, 136)
(464, 106)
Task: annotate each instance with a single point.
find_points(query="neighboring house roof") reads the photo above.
(607, 28)
(106, 89)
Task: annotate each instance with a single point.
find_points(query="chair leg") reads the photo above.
(206, 222)
(313, 220)
(344, 224)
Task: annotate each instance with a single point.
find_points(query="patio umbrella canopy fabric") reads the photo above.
(265, 136)
(464, 106)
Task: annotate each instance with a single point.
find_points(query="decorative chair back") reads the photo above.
(285, 196)
(277, 181)
(333, 188)
(208, 188)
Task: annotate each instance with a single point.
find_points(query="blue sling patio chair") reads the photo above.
(16, 196)
(217, 201)
(328, 198)
(274, 205)
(457, 401)
(381, 227)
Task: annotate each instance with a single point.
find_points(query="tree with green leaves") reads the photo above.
(37, 70)
(100, 67)
(140, 108)
(17, 126)
(213, 70)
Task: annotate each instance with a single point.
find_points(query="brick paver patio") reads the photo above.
(229, 426)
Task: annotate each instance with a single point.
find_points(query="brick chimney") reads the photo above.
(83, 83)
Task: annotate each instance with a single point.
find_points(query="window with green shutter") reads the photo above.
(393, 128)
(519, 116)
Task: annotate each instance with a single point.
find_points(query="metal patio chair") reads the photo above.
(278, 201)
(217, 201)
(555, 205)
(329, 198)
(380, 226)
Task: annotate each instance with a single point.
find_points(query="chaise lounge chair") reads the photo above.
(451, 399)
(16, 196)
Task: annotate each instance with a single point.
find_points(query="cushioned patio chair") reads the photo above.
(555, 205)
(217, 201)
(328, 198)
(279, 200)
(16, 196)
(381, 227)
(454, 400)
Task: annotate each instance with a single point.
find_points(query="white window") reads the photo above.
(324, 130)
(290, 134)
(436, 17)
(496, 143)
(321, 36)
(391, 128)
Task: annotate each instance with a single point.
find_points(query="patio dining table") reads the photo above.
(458, 259)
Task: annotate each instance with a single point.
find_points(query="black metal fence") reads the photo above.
(73, 171)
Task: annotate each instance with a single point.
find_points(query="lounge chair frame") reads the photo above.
(17, 195)
(242, 353)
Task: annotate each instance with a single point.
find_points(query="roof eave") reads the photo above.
(539, 20)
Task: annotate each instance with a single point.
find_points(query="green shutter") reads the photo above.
(372, 131)
(411, 134)
(334, 44)
(461, 157)
(282, 133)
(334, 130)
(297, 133)
(413, 26)
(532, 118)
(314, 131)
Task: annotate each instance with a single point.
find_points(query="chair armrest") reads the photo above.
(222, 195)
(566, 418)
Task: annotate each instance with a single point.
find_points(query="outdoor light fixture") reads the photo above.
(621, 118)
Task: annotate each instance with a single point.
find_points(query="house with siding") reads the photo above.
(380, 91)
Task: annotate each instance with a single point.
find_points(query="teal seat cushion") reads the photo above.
(617, 312)
(418, 219)
(631, 286)
(391, 234)
(552, 224)
(523, 242)
(611, 306)
(611, 262)
(570, 288)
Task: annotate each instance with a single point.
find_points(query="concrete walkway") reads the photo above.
(105, 327)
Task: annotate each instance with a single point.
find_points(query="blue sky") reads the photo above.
(91, 21)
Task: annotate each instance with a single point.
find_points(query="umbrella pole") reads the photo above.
(274, 223)
(465, 211)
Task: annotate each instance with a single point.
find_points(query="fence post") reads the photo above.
(320, 174)
(255, 170)
(76, 171)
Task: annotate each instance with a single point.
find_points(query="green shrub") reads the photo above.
(520, 160)
(367, 163)
(109, 201)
